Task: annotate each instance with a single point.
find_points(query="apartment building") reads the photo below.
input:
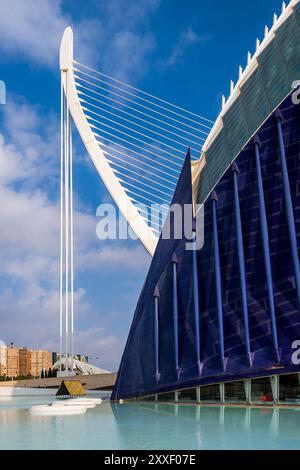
(24, 362)
(16, 361)
(3, 360)
(39, 360)
(12, 354)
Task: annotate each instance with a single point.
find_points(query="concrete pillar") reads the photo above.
(198, 394)
(247, 386)
(275, 388)
(222, 392)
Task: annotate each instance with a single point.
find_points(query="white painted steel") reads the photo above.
(94, 149)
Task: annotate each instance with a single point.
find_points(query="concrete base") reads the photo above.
(65, 373)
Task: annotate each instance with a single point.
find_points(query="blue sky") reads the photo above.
(184, 51)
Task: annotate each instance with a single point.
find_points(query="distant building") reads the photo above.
(55, 357)
(16, 361)
(24, 363)
(39, 360)
(82, 358)
(3, 359)
(13, 366)
(79, 357)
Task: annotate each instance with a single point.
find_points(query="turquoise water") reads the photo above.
(149, 426)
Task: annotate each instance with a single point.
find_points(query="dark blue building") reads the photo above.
(223, 323)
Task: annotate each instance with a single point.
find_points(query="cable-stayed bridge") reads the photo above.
(137, 142)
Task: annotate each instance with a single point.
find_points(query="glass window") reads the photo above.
(261, 390)
(289, 388)
(210, 393)
(187, 395)
(147, 398)
(166, 396)
(235, 392)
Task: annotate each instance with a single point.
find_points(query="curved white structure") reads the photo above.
(85, 401)
(83, 368)
(79, 402)
(57, 410)
(123, 201)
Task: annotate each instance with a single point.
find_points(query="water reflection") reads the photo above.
(150, 426)
(209, 427)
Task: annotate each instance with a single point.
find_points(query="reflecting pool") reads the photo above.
(149, 426)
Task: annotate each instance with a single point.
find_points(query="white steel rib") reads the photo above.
(94, 149)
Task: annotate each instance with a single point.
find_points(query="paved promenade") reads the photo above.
(91, 382)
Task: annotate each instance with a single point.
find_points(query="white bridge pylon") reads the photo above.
(124, 203)
(66, 233)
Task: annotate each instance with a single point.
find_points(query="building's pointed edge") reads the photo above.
(162, 255)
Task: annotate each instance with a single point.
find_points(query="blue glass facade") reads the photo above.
(243, 318)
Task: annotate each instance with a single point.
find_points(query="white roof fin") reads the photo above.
(240, 71)
(266, 31)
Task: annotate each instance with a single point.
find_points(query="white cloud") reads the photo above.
(187, 38)
(128, 54)
(119, 13)
(11, 162)
(29, 243)
(32, 29)
(96, 342)
(124, 26)
(33, 138)
(112, 257)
